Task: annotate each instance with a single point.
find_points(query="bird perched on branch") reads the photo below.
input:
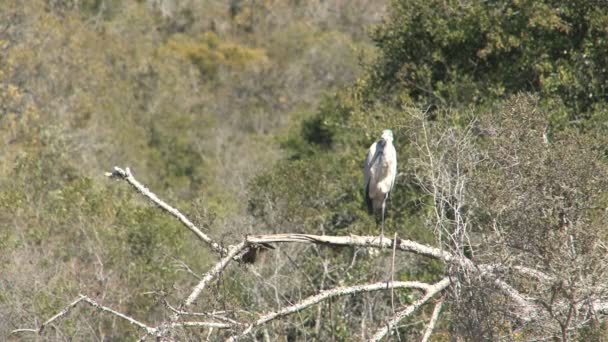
(379, 173)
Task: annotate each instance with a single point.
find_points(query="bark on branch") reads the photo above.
(326, 294)
(434, 317)
(355, 241)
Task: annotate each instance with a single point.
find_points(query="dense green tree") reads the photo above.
(452, 53)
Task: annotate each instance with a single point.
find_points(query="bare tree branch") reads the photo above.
(214, 272)
(214, 315)
(354, 240)
(131, 320)
(126, 175)
(148, 329)
(527, 308)
(61, 314)
(89, 301)
(534, 273)
(431, 291)
(216, 325)
(16, 331)
(324, 295)
(393, 274)
(433, 321)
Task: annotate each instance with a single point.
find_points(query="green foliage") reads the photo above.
(456, 53)
(198, 98)
(209, 53)
(183, 95)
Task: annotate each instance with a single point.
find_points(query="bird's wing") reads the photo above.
(367, 174)
(367, 168)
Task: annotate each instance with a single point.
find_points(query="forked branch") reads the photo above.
(327, 294)
(148, 329)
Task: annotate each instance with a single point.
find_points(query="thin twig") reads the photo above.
(430, 293)
(214, 315)
(16, 331)
(180, 265)
(393, 274)
(84, 299)
(215, 325)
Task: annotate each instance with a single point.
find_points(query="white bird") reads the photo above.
(379, 173)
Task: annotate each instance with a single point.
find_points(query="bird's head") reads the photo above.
(387, 135)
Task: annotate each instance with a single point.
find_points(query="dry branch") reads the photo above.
(157, 331)
(60, 314)
(324, 295)
(215, 325)
(214, 272)
(131, 320)
(527, 271)
(126, 175)
(355, 241)
(434, 317)
(89, 301)
(214, 315)
(430, 293)
(361, 241)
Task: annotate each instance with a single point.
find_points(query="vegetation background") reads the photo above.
(254, 116)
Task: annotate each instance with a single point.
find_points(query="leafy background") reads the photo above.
(254, 116)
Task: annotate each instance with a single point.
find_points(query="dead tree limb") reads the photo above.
(126, 175)
(60, 314)
(410, 309)
(156, 331)
(355, 241)
(214, 272)
(214, 315)
(434, 317)
(85, 299)
(527, 271)
(324, 295)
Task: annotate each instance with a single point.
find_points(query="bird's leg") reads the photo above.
(382, 224)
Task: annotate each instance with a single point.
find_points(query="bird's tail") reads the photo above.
(368, 201)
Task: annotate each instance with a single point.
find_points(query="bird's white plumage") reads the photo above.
(380, 171)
